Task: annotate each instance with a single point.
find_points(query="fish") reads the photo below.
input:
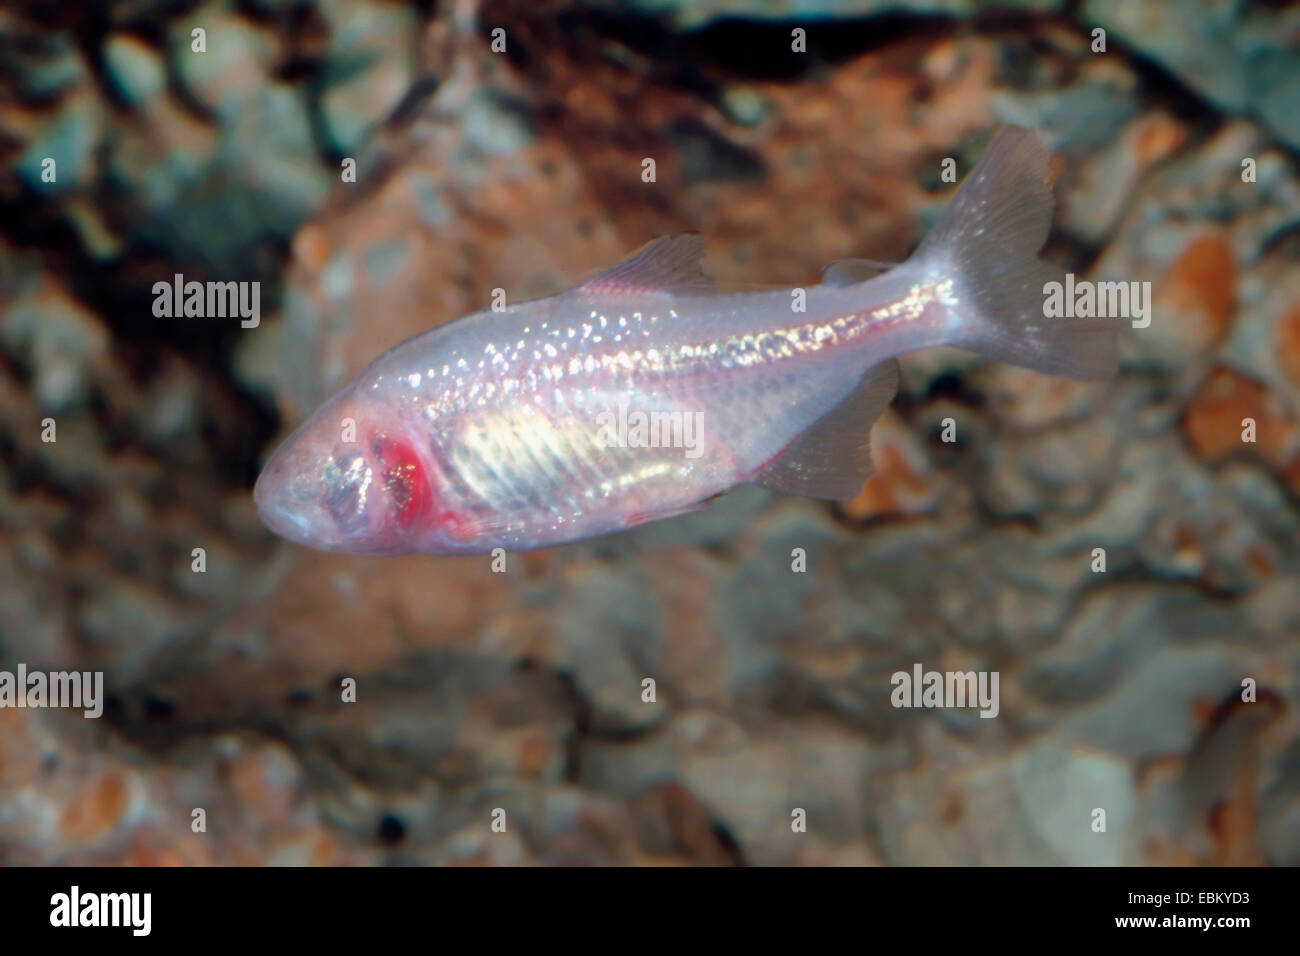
(645, 392)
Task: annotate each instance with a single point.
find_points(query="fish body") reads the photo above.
(642, 394)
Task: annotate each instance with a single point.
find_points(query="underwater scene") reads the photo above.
(650, 432)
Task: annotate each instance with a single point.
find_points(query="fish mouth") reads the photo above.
(276, 505)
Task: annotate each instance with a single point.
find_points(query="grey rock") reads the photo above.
(1236, 55)
(137, 71)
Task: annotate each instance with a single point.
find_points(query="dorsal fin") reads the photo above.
(666, 264)
(831, 458)
(852, 271)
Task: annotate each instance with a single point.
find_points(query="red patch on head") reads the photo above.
(404, 479)
(410, 489)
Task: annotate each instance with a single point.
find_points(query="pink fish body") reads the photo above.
(642, 394)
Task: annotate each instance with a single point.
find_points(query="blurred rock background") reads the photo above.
(522, 690)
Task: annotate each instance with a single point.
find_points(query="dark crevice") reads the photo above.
(764, 50)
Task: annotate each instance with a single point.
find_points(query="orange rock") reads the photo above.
(1214, 416)
(1200, 287)
(1261, 562)
(533, 755)
(94, 813)
(311, 247)
(877, 496)
(899, 485)
(1156, 136)
(325, 850)
(1056, 167)
(1233, 825)
(1288, 342)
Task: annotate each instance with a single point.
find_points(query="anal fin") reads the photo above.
(831, 458)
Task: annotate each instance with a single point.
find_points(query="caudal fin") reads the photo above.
(989, 236)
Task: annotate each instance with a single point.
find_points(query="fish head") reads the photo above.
(347, 480)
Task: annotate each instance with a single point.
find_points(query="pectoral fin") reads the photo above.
(641, 517)
(832, 457)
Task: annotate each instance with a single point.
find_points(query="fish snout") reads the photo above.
(285, 510)
(361, 497)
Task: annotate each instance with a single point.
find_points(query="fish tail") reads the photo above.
(988, 238)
